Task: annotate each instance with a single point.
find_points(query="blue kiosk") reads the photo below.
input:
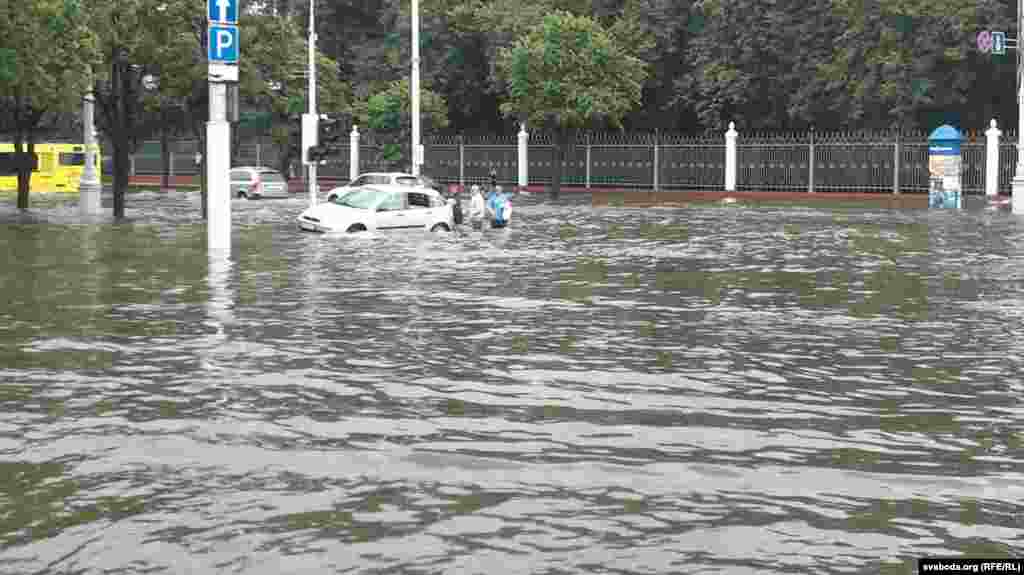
(944, 189)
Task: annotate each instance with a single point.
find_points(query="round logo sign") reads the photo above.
(985, 41)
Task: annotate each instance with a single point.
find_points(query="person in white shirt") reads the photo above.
(476, 207)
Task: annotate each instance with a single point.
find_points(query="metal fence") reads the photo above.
(879, 162)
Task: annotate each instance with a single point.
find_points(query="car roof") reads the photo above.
(400, 188)
(388, 174)
(255, 168)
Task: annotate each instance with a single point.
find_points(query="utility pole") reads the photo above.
(310, 120)
(417, 151)
(222, 70)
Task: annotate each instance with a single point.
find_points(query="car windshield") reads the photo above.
(363, 199)
(271, 176)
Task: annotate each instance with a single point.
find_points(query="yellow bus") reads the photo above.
(55, 167)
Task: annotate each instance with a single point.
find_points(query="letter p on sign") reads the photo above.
(223, 44)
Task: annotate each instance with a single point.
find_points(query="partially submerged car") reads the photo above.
(382, 178)
(381, 207)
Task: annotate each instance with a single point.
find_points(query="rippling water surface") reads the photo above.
(708, 389)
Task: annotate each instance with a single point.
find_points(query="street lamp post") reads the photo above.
(89, 187)
(311, 124)
(415, 89)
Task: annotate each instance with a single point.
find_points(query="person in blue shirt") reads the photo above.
(499, 208)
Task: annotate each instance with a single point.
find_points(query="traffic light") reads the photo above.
(317, 153)
(329, 129)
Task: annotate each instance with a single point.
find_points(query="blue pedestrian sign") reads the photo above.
(222, 11)
(223, 44)
(999, 43)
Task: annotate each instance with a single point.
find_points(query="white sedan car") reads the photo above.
(381, 207)
(381, 178)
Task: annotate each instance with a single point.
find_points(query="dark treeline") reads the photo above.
(778, 65)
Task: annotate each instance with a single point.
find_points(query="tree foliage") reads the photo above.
(388, 113)
(273, 79)
(44, 64)
(569, 72)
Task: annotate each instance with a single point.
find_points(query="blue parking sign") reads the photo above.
(223, 44)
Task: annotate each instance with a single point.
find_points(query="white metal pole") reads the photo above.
(415, 88)
(218, 166)
(730, 158)
(353, 153)
(314, 123)
(522, 158)
(89, 187)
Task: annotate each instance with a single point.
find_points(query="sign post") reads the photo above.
(222, 70)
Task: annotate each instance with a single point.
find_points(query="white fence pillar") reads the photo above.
(730, 158)
(170, 164)
(992, 159)
(462, 163)
(259, 153)
(896, 164)
(353, 153)
(523, 137)
(810, 163)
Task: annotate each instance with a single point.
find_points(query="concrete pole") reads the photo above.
(522, 157)
(462, 164)
(810, 162)
(1017, 200)
(415, 88)
(89, 186)
(313, 123)
(218, 168)
(730, 158)
(353, 153)
(992, 159)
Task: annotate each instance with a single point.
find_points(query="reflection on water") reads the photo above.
(714, 389)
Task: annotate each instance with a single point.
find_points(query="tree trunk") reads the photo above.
(120, 130)
(165, 160)
(122, 168)
(24, 166)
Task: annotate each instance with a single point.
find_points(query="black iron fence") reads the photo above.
(879, 162)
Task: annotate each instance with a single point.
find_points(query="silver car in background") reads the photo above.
(382, 178)
(255, 182)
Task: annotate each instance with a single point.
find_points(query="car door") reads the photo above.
(391, 211)
(417, 209)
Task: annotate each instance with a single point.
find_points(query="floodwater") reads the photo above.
(706, 389)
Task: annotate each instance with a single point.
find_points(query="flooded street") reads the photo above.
(730, 389)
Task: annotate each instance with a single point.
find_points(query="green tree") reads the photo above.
(566, 73)
(899, 61)
(46, 73)
(273, 78)
(389, 114)
(140, 39)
